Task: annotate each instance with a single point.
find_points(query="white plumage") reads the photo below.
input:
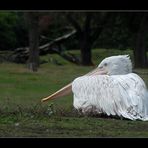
(117, 92)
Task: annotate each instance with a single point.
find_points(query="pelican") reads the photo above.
(112, 88)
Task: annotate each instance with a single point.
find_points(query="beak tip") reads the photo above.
(43, 100)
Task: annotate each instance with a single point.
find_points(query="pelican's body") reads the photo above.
(111, 88)
(121, 95)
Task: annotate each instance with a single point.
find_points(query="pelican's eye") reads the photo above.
(105, 64)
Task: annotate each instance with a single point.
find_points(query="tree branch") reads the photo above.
(74, 22)
(88, 22)
(100, 27)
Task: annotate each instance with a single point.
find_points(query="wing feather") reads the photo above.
(122, 95)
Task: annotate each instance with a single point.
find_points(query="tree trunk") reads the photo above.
(33, 61)
(85, 47)
(84, 37)
(33, 28)
(85, 41)
(140, 56)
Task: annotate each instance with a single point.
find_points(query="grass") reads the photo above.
(23, 115)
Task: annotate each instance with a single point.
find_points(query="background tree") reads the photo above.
(140, 46)
(32, 19)
(110, 30)
(87, 31)
(116, 33)
(8, 21)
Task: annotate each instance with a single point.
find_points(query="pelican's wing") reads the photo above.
(134, 95)
(122, 95)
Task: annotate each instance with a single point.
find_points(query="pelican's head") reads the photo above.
(116, 65)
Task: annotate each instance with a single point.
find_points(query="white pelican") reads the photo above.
(111, 88)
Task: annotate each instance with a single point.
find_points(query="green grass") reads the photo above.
(23, 115)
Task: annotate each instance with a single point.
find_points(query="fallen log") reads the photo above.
(20, 55)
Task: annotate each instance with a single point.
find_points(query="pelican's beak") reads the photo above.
(60, 93)
(97, 71)
(68, 88)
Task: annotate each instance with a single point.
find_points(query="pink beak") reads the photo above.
(97, 71)
(66, 90)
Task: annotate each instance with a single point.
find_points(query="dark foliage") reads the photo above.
(121, 30)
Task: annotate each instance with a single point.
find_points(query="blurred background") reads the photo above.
(24, 36)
